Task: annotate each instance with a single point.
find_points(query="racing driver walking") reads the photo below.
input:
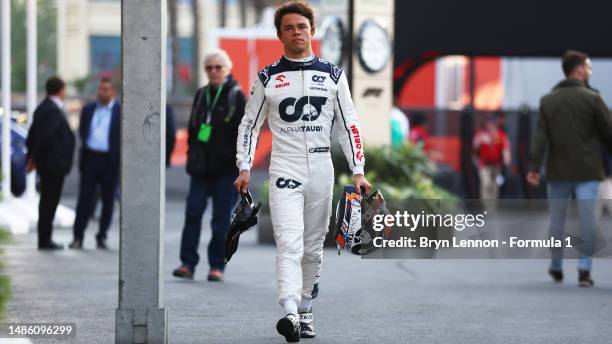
(304, 97)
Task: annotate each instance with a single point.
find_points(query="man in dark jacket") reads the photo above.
(99, 162)
(573, 122)
(217, 111)
(170, 134)
(50, 146)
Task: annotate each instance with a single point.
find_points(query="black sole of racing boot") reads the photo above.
(286, 329)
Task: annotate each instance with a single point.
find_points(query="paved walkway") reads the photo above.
(361, 301)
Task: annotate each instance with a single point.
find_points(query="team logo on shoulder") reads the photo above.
(282, 183)
(323, 61)
(263, 75)
(335, 73)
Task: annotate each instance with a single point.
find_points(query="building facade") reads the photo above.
(89, 42)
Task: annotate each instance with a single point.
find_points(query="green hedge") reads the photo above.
(401, 173)
(4, 280)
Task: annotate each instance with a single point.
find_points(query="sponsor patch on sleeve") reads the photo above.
(335, 73)
(264, 76)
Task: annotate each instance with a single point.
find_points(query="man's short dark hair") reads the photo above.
(107, 80)
(573, 59)
(418, 118)
(298, 7)
(54, 85)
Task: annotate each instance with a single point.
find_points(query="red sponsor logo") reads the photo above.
(357, 140)
(281, 78)
(359, 156)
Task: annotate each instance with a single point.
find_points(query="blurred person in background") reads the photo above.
(216, 113)
(604, 206)
(400, 127)
(492, 149)
(605, 189)
(98, 163)
(170, 142)
(573, 122)
(418, 130)
(50, 146)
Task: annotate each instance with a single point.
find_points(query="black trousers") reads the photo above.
(96, 171)
(50, 192)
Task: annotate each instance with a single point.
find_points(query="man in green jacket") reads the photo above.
(574, 121)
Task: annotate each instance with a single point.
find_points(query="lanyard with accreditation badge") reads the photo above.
(206, 128)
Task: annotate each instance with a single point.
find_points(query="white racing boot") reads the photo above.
(306, 324)
(289, 327)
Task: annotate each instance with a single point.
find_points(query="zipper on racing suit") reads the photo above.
(305, 94)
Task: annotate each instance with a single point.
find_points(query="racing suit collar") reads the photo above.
(299, 63)
(303, 59)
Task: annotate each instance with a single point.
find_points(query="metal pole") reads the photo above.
(32, 82)
(141, 317)
(6, 99)
(472, 64)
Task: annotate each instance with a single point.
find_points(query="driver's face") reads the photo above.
(295, 33)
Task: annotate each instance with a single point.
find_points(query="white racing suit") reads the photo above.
(303, 101)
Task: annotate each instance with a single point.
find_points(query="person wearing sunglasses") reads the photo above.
(215, 116)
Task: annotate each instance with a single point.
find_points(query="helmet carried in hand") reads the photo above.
(243, 219)
(354, 221)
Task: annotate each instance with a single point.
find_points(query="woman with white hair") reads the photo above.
(216, 113)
